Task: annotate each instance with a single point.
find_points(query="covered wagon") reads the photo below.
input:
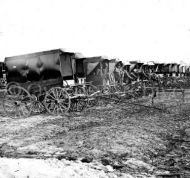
(38, 77)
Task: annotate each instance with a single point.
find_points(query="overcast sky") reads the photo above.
(144, 30)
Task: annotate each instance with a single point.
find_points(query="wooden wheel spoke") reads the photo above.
(51, 103)
(22, 110)
(63, 106)
(50, 96)
(25, 98)
(51, 100)
(60, 93)
(55, 93)
(10, 108)
(12, 91)
(55, 109)
(9, 102)
(60, 109)
(27, 105)
(48, 104)
(66, 101)
(19, 113)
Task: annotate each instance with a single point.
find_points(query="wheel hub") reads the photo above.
(17, 103)
(58, 101)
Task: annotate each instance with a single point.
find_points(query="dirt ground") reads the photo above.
(125, 139)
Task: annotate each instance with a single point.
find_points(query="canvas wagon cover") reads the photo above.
(182, 69)
(173, 67)
(165, 68)
(188, 69)
(91, 64)
(39, 66)
(159, 68)
(96, 70)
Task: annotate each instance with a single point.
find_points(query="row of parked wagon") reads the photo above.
(59, 81)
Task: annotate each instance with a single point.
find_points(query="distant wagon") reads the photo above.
(159, 68)
(173, 69)
(187, 72)
(165, 69)
(182, 69)
(96, 70)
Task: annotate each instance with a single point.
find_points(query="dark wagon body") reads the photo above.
(39, 67)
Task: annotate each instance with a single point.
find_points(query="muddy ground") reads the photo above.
(129, 139)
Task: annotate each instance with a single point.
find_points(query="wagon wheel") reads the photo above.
(17, 102)
(57, 101)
